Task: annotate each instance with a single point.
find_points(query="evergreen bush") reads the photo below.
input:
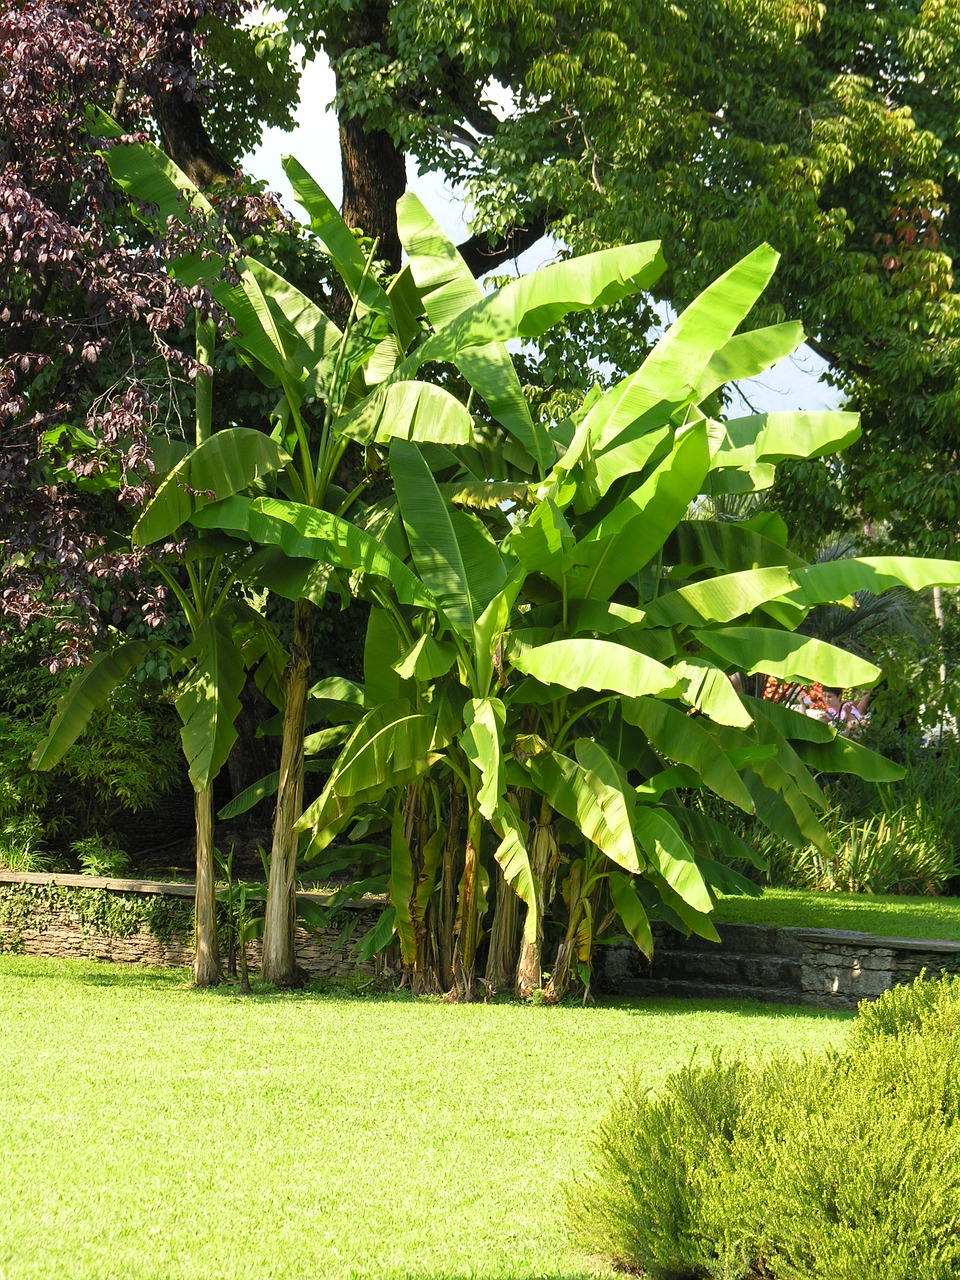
(835, 1168)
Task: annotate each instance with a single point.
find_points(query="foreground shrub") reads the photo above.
(820, 1169)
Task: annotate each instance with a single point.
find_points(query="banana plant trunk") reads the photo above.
(502, 956)
(449, 875)
(279, 928)
(544, 861)
(468, 939)
(207, 970)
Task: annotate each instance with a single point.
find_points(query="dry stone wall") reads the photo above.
(826, 968)
(818, 967)
(59, 919)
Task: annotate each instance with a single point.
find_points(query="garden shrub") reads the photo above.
(129, 758)
(834, 1168)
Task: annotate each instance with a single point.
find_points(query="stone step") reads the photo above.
(665, 990)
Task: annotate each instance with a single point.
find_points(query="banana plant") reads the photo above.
(337, 386)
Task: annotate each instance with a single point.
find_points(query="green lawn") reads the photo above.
(884, 915)
(153, 1132)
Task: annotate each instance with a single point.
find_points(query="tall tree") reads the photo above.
(827, 129)
(91, 354)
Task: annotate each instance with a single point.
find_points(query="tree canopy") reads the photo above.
(827, 129)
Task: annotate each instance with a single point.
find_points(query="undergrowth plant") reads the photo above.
(830, 1168)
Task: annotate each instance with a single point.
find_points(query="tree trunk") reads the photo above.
(425, 978)
(374, 168)
(468, 938)
(279, 946)
(502, 957)
(559, 982)
(206, 966)
(544, 861)
(450, 875)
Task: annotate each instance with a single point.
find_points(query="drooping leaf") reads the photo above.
(681, 738)
(208, 700)
(771, 437)
(307, 531)
(88, 691)
(788, 656)
(831, 580)
(599, 811)
(223, 465)
(408, 411)
(528, 307)
(631, 911)
(482, 741)
(660, 838)
(600, 665)
(708, 689)
(746, 355)
(720, 599)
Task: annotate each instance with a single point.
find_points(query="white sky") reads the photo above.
(793, 384)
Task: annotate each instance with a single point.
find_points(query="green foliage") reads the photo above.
(96, 911)
(926, 1003)
(100, 857)
(127, 763)
(821, 1169)
(21, 844)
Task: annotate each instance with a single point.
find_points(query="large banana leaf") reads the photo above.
(528, 307)
(151, 177)
(708, 689)
(484, 720)
(390, 747)
(542, 541)
(342, 247)
(208, 700)
(514, 861)
(631, 911)
(221, 466)
(624, 541)
(89, 690)
(598, 664)
(493, 623)
(728, 546)
(408, 411)
(679, 737)
(771, 437)
(599, 811)
(720, 599)
(458, 562)
(383, 656)
(426, 660)
(672, 371)
(272, 314)
(668, 852)
(746, 355)
(844, 756)
(832, 580)
(448, 288)
(303, 531)
(629, 454)
(788, 656)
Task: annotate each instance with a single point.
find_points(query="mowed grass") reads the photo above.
(154, 1132)
(883, 915)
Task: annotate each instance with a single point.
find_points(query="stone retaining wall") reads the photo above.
(60, 930)
(819, 967)
(827, 968)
